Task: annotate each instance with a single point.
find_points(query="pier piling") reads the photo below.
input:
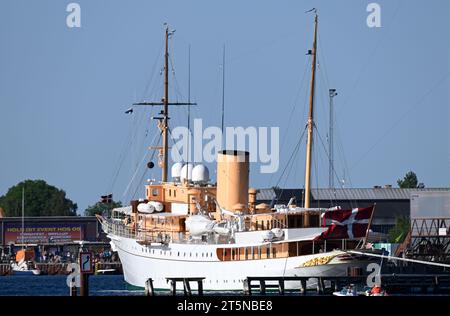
(149, 290)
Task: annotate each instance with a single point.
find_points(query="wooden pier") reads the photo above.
(186, 285)
(393, 283)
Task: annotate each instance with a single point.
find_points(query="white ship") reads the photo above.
(188, 226)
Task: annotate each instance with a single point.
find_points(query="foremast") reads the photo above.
(163, 120)
(310, 127)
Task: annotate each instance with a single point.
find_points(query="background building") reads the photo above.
(391, 203)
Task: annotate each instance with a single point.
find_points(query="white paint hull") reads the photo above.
(140, 263)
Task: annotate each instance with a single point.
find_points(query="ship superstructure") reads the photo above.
(189, 226)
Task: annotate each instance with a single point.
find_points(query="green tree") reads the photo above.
(398, 233)
(100, 207)
(409, 181)
(41, 199)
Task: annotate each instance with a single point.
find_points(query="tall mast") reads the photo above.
(310, 126)
(223, 92)
(23, 213)
(163, 120)
(165, 147)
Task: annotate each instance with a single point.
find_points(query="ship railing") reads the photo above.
(118, 228)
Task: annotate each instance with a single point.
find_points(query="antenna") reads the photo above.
(189, 114)
(223, 92)
(163, 120)
(333, 93)
(23, 213)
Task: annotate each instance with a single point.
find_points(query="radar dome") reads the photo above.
(176, 171)
(187, 169)
(200, 174)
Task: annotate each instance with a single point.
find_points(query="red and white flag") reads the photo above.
(346, 224)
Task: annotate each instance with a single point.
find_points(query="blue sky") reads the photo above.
(63, 91)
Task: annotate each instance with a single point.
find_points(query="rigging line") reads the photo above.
(143, 175)
(316, 169)
(137, 167)
(406, 113)
(290, 158)
(341, 152)
(291, 115)
(153, 72)
(119, 165)
(176, 86)
(322, 58)
(175, 144)
(334, 171)
(371, 55)
(294, 152)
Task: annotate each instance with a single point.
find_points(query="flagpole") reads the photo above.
(368, 226)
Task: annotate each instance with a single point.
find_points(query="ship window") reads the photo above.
(170, 192)
(190, 254)
(268, 224)
(178, 254)
(174, 193)
(259, 252)
(155, 192)
(274, 252)
(268, 252)
(196, 254)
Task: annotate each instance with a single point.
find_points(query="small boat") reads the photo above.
(106, 271)
(23, 263)
(353, 290)
(25, 256)
(376, 291)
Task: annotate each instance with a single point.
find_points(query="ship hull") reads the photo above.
(140, 263)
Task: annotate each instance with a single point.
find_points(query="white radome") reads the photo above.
(200, 174)
(176, 171)
(189, 168)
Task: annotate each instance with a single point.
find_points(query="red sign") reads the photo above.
(42, 233)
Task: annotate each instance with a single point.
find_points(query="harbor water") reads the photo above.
(55, 285)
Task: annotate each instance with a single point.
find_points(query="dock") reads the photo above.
(393, 283)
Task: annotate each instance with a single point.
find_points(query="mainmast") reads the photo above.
(165, 125)
(310, 125)
(23, 213)
(163, 120)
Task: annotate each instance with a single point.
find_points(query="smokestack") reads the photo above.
(232, 178)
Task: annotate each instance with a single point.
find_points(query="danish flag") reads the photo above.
(346, 224)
